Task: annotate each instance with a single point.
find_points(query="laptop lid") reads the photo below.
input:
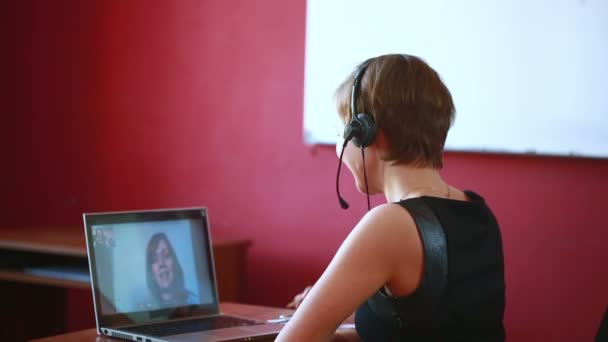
(150, 265)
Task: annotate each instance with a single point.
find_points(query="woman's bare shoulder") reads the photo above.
(391, 229)
(389, 219)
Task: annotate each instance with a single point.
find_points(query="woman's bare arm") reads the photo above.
(367, 259)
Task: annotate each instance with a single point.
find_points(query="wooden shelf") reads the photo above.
(69, 241)
(20, 277)
(27, 247)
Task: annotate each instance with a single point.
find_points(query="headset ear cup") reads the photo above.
(368, 130)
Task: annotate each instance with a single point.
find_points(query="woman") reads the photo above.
(164, 275)
(387, 270)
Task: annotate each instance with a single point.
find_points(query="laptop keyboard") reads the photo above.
(188, 326)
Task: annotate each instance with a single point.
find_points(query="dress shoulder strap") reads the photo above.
(434, 242)
(423, 303)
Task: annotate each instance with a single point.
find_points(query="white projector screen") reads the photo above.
(527, 76)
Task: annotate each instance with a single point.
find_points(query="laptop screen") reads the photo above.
(150, 265)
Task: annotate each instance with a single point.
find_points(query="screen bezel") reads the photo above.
(146, 316)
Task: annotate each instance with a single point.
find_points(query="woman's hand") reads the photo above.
(297, 300)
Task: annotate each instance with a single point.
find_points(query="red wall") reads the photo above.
(114, 105)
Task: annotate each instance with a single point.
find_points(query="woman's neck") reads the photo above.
(403, 181)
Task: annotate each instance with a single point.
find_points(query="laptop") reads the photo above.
(153, 279)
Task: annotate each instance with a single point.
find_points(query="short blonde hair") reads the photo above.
(409, 103)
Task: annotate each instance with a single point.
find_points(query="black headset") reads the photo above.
(361, 131)
(362, 127)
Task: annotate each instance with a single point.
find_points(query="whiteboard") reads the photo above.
(527, 76)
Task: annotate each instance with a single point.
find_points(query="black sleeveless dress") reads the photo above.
(472, 302)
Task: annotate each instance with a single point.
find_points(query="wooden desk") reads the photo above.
(255, 312)
(22, 293)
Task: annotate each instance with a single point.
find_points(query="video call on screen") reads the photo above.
(146, 266)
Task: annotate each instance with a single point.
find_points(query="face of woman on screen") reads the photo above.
(162, 265)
